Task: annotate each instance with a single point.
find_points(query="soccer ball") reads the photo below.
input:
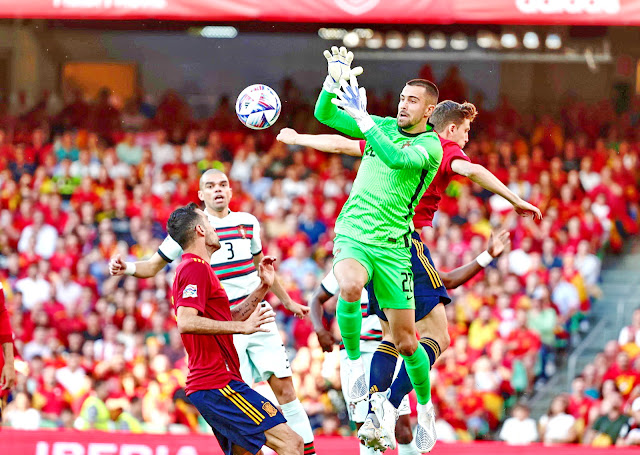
(258, 107)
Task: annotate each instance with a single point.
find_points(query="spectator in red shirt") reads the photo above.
(49, 397)
(579, 402)
(39, 148)
(623, 374)
(472, 405)
(104, 118)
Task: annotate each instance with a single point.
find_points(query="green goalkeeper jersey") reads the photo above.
(396, 169)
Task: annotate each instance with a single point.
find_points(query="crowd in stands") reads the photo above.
(92, 181)
(603, 408)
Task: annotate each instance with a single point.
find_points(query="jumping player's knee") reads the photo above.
(406, 344)
(352, 278)
(351, 289)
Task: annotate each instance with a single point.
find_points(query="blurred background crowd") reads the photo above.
(99, 177)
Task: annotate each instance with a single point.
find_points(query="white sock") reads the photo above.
(420, 408)
(408, 449)
(298, 420)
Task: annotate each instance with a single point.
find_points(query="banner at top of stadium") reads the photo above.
(548, 12)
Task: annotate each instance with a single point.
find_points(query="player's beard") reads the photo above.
(405, 121)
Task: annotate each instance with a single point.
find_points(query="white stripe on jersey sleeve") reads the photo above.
(170, 249)
(330, 284)
(256, 242)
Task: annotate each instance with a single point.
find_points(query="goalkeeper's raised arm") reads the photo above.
(338, 69)
(406, 142)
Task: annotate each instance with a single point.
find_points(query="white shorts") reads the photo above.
(262, 355)
(358, 411)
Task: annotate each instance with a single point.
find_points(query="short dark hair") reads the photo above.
(430, 87)
(447, 112)
(182, 223)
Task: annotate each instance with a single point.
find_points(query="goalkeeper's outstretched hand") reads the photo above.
(353, 100)
(339, 67)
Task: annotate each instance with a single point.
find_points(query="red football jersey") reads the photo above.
(6, 334)
(428, 205)
(213, 360)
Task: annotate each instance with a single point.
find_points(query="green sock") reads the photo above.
(418, 367)
(349, 317)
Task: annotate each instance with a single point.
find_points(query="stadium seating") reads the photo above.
(70, 199)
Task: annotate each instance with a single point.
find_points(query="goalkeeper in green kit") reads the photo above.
(373, 230)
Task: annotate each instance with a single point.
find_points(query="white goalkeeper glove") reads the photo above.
(339, 67)
(353, 99)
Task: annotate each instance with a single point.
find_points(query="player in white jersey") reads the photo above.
(262, 355)
(370, 338)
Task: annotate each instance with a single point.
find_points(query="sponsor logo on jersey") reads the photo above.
(190, 291)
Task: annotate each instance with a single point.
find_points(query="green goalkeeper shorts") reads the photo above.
(388, 268)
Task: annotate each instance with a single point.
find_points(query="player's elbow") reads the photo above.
(183, 324)
(320, 114)
(448, 281)
(473, 171)
(465, 169)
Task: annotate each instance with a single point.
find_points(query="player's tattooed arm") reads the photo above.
(189, 321)
(267, 276)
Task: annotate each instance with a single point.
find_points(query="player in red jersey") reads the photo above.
(242, 419)
(7, 369)
(452, 122)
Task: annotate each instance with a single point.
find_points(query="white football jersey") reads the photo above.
(371, 330)
(239, 234)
